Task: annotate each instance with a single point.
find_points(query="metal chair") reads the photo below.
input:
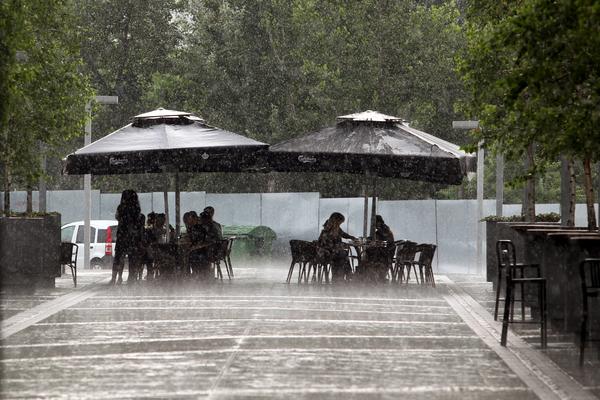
(589, 271)
(68, 257)
(218, 253)
(500, 247)
(228, 255)
(424, 262)
(302, 255)
(405, 256)
(507, 258)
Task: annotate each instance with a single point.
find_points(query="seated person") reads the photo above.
(165, 258)
(379, 257)
(332, 249)
(190, 219)
(149, 240)
(201, 235)
(160, 231)
(211, 212)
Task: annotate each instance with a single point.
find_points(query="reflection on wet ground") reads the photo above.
(562, 348)
(253, 337)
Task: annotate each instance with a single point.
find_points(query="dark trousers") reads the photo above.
(119, 263)
(340, 265)
(200, 265)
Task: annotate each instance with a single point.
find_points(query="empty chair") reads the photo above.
(507, 258)
(521, 268)
(296, 259)
(424, 262)
(228, 256)
(68, 257)
(302, 255)
(218, 254)
(589, 271)
(405, 255)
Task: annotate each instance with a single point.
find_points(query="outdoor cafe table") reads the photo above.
(361, 246)
(559, 252)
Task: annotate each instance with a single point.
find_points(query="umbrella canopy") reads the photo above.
(377, 144)
(168, 140)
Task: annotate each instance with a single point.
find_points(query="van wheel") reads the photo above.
(96, 263)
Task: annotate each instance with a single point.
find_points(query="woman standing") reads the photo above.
(332, 249)
(129, 237)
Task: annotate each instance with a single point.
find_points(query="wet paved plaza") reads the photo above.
(253, 337)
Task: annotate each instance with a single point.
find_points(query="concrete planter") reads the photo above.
(30, 250)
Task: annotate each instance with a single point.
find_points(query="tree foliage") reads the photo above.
(533, 70)
(43, 89)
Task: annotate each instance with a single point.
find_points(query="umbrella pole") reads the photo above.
(373, 209)
(365, 211)
(177, 206)
(166, 198)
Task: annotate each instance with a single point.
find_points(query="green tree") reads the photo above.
(44, 92)
(534, 77)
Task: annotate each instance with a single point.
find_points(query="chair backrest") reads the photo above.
(589, 271)
(390, 250)
(296, 249)
(426, 253)
(506, 254)
(308, 251)
(405, 251)
(229, 246)
(68, 253)
(221, 249)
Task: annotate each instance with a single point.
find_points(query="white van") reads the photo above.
(103, 235)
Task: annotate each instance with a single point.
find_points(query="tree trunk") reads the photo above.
(528, 207)
(7, 184)
(567, 192)
(29, 208)
(589, 193)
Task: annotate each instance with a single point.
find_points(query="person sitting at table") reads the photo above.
(190, 219)
(211, 212)
(383, 232)
(165, 261)
(160, 231)
(376, 266)
(149, 239)
(331, 248)
(202, 235)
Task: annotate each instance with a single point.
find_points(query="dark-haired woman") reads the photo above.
(129, 237)
(332, 249)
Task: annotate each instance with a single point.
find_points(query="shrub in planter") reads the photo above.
(30, 249)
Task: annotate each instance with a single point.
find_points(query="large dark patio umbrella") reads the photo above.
(168, 141)
(374, 144)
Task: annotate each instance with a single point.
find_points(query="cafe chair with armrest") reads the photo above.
(507, 259)
(68, 257)
(589, 272)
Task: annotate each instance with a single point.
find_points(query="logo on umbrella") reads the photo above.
(307, 159)
(117, 161)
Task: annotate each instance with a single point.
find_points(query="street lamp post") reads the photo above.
(468, 125)
(87, 179)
